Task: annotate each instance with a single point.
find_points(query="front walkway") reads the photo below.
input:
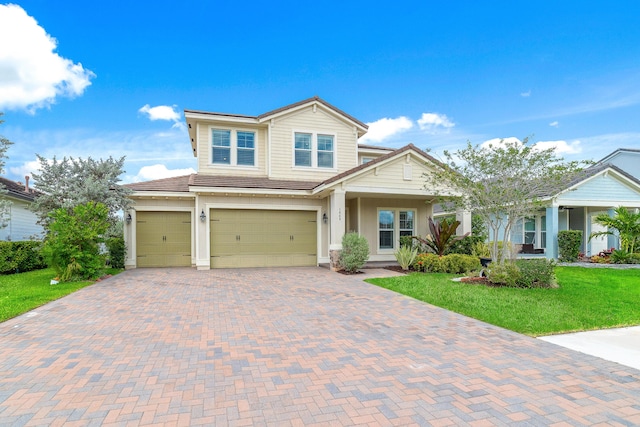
(291, 346)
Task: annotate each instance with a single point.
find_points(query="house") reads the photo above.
(279, 189)
(22, 223)
(613, 181)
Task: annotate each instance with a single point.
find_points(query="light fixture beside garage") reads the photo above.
(128, 219)
(203, 216)
(325, 219)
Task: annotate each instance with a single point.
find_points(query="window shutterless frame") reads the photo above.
(233, 147)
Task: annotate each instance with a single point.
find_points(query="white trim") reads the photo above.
(396, 227)
(221, 117)
(162, 194)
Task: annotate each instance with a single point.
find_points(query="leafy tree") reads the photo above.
(72, 246)
(4, 202)
(501, 183)
(70, 182)
(626, 223)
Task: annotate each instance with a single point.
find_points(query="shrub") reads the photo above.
(117, 251)
(72, 246)
(481, 250)
(569, 245)
(21, 256)
(600, 259)
(506, 274)
(453, 263)
(355, 252)
(443, 235)
(405, 256)
(536, 273)
(406, 242)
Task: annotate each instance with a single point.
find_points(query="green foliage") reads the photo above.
(20, 257)
(569, 245)
(523, 273)
(452, 263)
(406, 241)
(443, 235)
(355, 252)
(72, 244)
(467, 244)
(117, 251)
(405, 256)
(536, 273)
(505, 274)
(481, 250)
(70, 182)
(500, 182)
(620, 256)
(627, 225)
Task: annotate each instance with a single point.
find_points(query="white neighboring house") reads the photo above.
(22, 222)
(279, 189)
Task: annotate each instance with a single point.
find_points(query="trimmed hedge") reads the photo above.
(452, 263)
(18, 257)
(569, 245)
(117, 251)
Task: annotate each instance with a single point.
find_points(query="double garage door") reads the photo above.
(239, 238)
(262, 238)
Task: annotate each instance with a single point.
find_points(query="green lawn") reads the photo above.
(587, 298)
(22, 292)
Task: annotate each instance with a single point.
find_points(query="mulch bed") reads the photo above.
(349, 273)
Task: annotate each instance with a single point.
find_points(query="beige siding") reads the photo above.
(306, 120)
(204, 150)
(391, 176)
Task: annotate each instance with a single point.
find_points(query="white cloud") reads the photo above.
(526, 94)
(159, 171)
(385, 128)
(554, 124)
(32, 75)
(433, 122)
(160, 112)
(501, 142)
(27, 168)
(560, 147)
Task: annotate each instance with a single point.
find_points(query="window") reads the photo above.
(543, 231)
(392, 224)
(221, 147)
(246, 148)
(366, 160)
(303, 149)
(529, 230)
(325, 151)
(314, 150)
(231, 147)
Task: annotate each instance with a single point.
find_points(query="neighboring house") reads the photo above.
(278, 189)
(22, 222)
(601, 188)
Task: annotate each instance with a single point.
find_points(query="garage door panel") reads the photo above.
(266, 238)
(163, 239)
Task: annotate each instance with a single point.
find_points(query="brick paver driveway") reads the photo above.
(288, 347)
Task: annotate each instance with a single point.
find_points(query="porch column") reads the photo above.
(612, 239)
(552, 233)
(465, 222)
(336, 226)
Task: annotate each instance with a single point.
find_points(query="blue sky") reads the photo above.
(112, 78)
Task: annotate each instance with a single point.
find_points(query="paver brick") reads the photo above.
(288, 347)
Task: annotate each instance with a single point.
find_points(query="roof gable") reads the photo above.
(604, 183)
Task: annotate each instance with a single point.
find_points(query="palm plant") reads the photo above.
(626, 223)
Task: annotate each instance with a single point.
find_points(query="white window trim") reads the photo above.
(233, 163)
(396, 227)
(314, 151)
(538, 230)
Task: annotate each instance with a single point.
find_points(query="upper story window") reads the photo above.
(366, 160)
(314, 150)
(233, 147)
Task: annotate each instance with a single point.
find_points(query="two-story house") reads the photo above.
(279, 189)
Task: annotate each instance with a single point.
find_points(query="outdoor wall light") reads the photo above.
(325, 219)
(128, 219)
(203, 216)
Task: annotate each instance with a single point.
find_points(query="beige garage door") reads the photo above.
(262, 238)
(163, 239)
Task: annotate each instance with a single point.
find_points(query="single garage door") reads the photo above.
(262, 238)
(163, 239)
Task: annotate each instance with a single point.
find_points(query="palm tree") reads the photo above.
(627, 225)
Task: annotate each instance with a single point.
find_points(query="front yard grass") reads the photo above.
(22, 292)
(587, 299)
